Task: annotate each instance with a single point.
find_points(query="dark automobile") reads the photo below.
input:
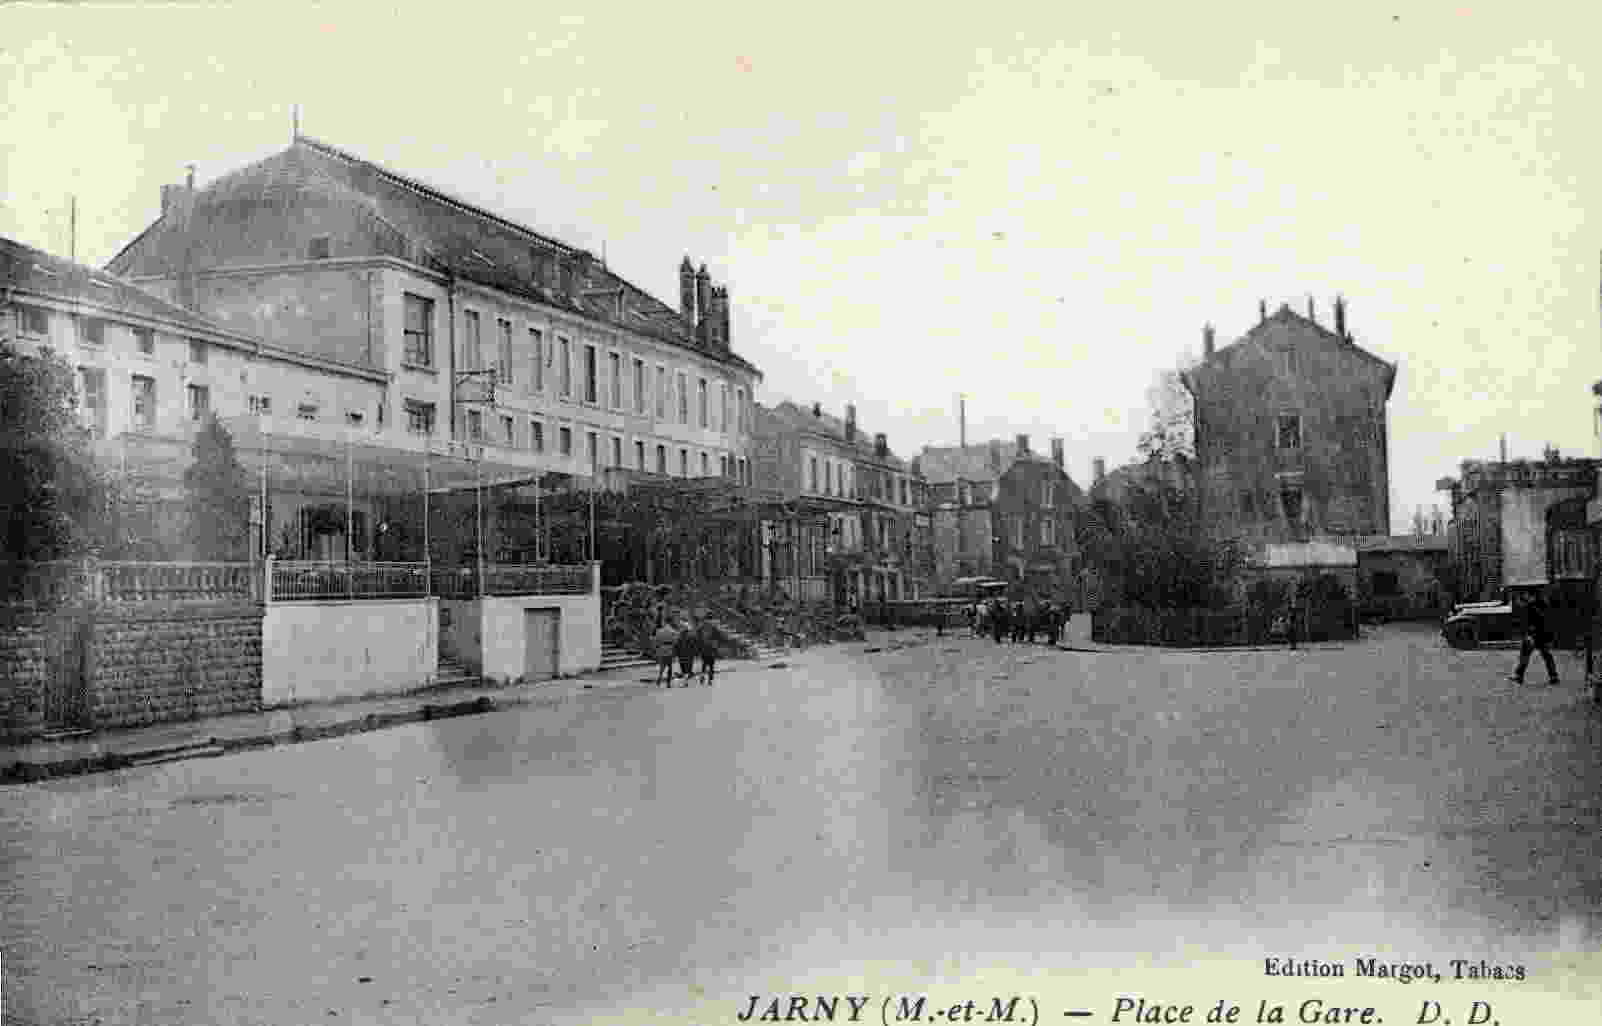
(1471, 624)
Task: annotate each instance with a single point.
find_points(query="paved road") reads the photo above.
(932, 805)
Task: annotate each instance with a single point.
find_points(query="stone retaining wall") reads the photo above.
(24, 667)
(159, 662)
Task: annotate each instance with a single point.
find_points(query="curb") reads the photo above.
(21, 772)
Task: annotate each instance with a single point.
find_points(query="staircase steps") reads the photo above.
(450, 671)
(757, 650)
(619, 657)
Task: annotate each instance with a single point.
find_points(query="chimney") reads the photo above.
(583, 264)
(995, 455)
(881, 445)
(1312, 314)
(1056, 453)
(715, 334)
(189, 182)
(1023, 445)
(817, 409)
(687, 294)
(851, 422)
(169, 198)
(723, 309)
(703, 302)
(1207, 340)
(1262, 309)
(1340, 317)
(1504, 447)
(1098, 470)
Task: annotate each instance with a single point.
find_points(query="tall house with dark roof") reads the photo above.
(320, 251)
(1291, 434)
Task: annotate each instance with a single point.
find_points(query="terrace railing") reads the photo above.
(307, 581)
(110, 581)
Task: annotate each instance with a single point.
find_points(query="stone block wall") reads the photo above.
(160, 662)
(24, 667)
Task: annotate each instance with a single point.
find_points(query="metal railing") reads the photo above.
(305, 581)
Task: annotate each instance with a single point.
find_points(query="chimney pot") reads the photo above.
(1312, 314)
(1057, 453)
(1098, 469)
(851, 422)
(1207, 340)
(995, 455)
(1340, 317)
(817, 409)
(881, 443)
(1262, 309)
(1023, 445)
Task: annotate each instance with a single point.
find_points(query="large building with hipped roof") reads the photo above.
(497, 342)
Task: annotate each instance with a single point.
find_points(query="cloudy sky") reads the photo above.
(1038, 208)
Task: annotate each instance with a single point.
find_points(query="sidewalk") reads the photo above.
(109, 750)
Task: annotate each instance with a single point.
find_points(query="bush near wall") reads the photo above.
(1208, 628)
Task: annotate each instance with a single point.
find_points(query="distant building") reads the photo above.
(1405, 576)
(858, 534)
(1001, 510)
(1521, 523)
(1291, 435)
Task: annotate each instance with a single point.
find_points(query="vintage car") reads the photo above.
(1471, 624)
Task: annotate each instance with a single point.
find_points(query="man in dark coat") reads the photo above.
(1536, 638)
(686, 648)
(708, 641)
(998, 620)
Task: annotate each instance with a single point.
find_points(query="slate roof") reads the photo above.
(944, 464)
(426, 225)
(1224, 356)
(800, 418)
(34, 270)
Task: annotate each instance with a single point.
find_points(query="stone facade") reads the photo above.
(159, 662)
(1500, 530)
(1291, 432)
(24, 670)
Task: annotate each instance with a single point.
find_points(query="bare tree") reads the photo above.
(1172, 430)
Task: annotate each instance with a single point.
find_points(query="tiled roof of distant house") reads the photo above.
(805, 419)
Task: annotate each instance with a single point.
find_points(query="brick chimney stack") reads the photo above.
(1056, 453)
(1098, 470)
(1312, 314)
(881, 445)
(1023, 445)
(723, 308)
(687, 294)
(995, 456)
(1340, 317)
(851, 422)
(1262, 309)
(1207, 340)
(703, 302)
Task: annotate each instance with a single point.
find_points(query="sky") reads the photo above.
(1035, 207)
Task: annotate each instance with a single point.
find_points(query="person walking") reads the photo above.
(662, 643)
(709, 653)
(1536, 639)
(685, 647)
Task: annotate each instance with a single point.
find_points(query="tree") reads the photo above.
(1152, 550)
(218, 496)
(54, 500)
(1172, 430)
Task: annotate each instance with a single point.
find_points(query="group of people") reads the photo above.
(685, 644)
(1020, 621)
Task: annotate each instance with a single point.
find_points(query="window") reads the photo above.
(306, 411)
(1287, 363)
(419, 418)
(91, 331)
(812, 473)
(617, 452)
(536, 436)
(565, 370)
(472, 342)
(419, 348)
(508, 432)
(1045, 493)
(1047, 529)
(564, 442)
(639, 389)
(739, 408)
(661, 459)
(144, 403)
(475, 425)
(590, 371)
(723, 466)
(684, 398)
(31, 320)
(198, 353)
(706, 465)
(639, 455)
(1290, 500)
(701, 401)
(615, 369)
(536, 344)
(144, 341)
(723, 406)
(661, 392)
(503, 357)
(318, 249)
(199, 401)
(261, 404)
(92, 385)
(1248, 504)
(593, 446)
(684, 463)
(1017, 532)
(1289, 435)
(1385, 583)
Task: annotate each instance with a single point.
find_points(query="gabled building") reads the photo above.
(1001, 510)
(502, 343)
(1291, 431)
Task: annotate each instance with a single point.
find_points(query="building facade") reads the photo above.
(857, 505)
(496, 341)
(1520, 523)
(1291, 431)
(1001, 510)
